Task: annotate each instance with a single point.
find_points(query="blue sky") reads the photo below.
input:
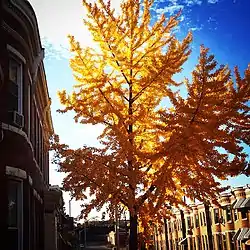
(221, 25)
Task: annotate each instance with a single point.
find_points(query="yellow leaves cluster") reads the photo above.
(150, 156)
(207, 129)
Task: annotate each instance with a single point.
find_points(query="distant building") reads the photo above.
(25, 127)
(209, 227)
(59, 228)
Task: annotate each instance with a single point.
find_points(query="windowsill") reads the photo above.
(244, 219)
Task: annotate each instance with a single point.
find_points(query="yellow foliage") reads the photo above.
(150, 156)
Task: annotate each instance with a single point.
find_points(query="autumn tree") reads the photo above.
(152, 153)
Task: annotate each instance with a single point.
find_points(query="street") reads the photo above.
(96, 246)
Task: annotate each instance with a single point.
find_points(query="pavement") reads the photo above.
(95, 246)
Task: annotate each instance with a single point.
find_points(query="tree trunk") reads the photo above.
(133, 236)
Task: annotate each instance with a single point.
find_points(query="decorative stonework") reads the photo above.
(16, 172)
(15, 35)
(24, 11)
(16, 53)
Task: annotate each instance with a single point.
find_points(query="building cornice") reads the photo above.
(16, 36)
(26, 15)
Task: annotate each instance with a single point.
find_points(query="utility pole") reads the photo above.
(85, 235)
(70, 206)
(79, 238)
(117, 228)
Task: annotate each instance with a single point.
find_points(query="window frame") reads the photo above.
(13, 60)
(19, 227)
(216, 216)
(204, 218)
(197, 222)
(16, 56)
(229, 215)
(201, 219)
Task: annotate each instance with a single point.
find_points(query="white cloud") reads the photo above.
(212, 1)
(169, 9)
(196, 28)
(193, 2)
(179, 2)
(55, 51)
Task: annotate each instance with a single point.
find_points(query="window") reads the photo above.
(216, 215)
(204, 218)
(206, 239)
(224, 241)
(188, 222)
(210, 217)
(15, 214)
(228, 213)
(193, 243)
(235, 214)
(16, 85)
(239, 245)
(201, 219)
(192, 222)
(191, 246)
(203, 242)
(231, 242)
(243, 214)
(198, 242)
(219, 241)
(196, 220)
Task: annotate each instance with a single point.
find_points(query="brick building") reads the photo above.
(25, 127)
(208, 226)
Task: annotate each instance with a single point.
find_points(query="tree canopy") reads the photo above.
(152, 154)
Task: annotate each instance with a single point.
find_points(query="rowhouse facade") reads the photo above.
(25, 127)
(209, 226)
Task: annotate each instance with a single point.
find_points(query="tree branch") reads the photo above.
(145, 196)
